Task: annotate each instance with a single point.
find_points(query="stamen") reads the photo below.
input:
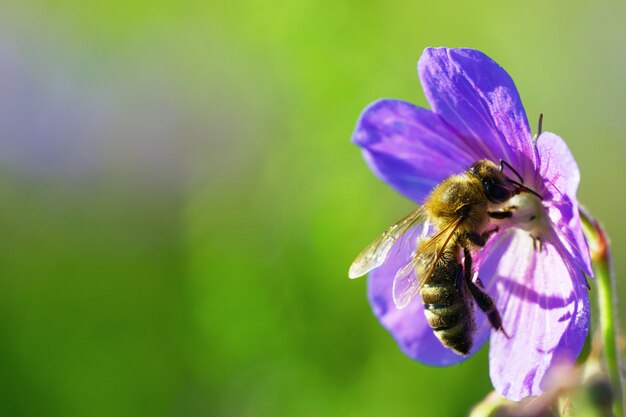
(539, 129)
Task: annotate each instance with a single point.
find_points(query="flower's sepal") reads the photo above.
(602, 262)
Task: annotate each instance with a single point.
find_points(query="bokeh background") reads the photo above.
(180, 201)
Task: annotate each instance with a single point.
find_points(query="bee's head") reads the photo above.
(495, 184)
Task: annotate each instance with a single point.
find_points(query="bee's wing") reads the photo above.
(375, 254)
(410, 279)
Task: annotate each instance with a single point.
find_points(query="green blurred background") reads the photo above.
(180, 201)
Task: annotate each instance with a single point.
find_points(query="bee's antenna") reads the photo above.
(503, 163)
(539, 129)
(524, 188)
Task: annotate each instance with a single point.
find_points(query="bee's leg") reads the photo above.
(486, 235)
(478, 239)
(459, 276)
(500, 215)
(475, 238)
(483, 300)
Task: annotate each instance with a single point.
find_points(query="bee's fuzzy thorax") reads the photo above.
(458, 195)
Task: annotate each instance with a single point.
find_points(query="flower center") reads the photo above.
(528, 214)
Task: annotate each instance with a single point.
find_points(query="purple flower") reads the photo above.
(540, 292)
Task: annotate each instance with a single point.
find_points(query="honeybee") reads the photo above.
(454, 219)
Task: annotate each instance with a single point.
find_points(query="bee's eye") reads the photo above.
(497, 193)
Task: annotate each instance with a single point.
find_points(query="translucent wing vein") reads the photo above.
(376, 252)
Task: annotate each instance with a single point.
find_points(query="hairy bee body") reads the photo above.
(459, 209)
(458, 195)
(449, 308)
(448, 305)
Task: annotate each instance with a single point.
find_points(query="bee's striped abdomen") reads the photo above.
(448, 308)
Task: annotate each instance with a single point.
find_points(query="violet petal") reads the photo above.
(409, 326)
(544, 305)
(479, 100)
(560, 175)
(410, 148)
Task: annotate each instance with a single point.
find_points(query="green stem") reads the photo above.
(608, 327)
(603, 270)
